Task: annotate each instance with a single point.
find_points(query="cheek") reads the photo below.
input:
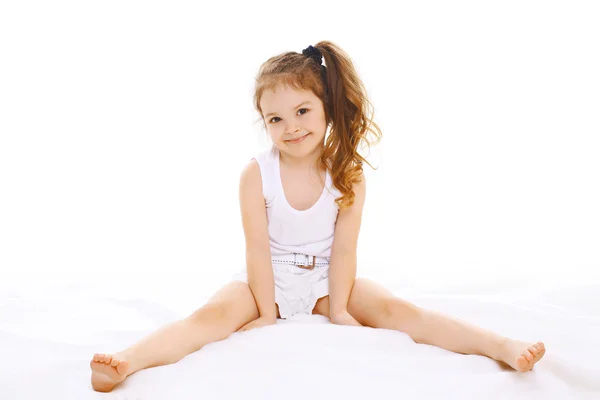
(275, 135)
(318, 123)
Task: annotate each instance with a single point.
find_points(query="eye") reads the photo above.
(300, 109)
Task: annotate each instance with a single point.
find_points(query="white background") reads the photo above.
(124, 127)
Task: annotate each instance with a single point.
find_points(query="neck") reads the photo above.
(305, 162)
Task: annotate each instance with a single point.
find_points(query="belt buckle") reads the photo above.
(306, 265)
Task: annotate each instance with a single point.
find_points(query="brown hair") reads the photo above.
(346, 104)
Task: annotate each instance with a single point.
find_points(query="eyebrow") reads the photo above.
(301, 104)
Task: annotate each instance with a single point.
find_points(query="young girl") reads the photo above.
(301, 203)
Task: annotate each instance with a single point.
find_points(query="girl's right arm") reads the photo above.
(258, 251)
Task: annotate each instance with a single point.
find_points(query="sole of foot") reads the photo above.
(107, 371)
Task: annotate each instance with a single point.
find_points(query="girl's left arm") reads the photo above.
(342, 263)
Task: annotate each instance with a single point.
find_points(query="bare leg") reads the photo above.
(437, 329)
(227, 311)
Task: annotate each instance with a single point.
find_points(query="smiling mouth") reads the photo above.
(298, 140)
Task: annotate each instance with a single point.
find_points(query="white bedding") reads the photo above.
(48, 337)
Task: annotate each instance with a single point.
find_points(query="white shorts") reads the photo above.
(296, 289)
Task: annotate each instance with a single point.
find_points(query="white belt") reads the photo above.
(301, 260)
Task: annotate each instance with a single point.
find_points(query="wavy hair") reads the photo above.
(348, 111)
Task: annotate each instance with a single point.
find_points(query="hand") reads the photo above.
(258, 323)
(344, 318)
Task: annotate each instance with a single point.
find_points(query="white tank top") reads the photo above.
(290, 230)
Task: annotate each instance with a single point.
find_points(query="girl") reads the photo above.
(301, 204)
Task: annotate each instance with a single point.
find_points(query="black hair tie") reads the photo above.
(314, 53)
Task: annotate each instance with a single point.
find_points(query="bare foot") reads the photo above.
(522, 355)
(107, 371)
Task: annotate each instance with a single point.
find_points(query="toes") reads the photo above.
(114, 362)
(542, 351)
(541, 346)
(103, 358)
(529, 357)
(533, 350)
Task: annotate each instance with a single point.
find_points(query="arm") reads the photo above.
(258, 251)
(342, 264)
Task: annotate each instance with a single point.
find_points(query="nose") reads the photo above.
(291, 129)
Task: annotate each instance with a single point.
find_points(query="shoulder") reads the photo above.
(250, 175)
(250, 191)
(261, 162)
(359, 189)
(252, 207)
(349, 220)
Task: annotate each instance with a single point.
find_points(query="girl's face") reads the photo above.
(292, 114)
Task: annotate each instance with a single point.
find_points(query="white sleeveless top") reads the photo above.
(290, 230)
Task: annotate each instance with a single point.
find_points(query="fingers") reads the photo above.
(245, 327)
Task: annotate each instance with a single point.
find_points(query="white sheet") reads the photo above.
(48, 337)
